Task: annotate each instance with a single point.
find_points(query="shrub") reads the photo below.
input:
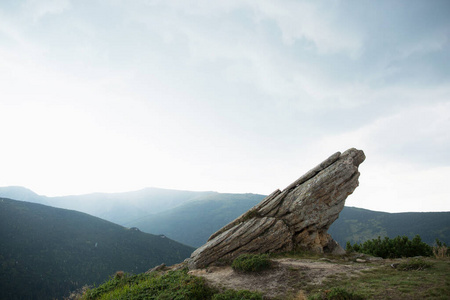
(336, 294)
(397, 247)
(119, 275)
(440, 250)
(251, 262)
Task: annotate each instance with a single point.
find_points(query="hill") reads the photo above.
(193, 222)
(119, 208)
(358, 225)
(291, 275)
(46, 252)
(191, 217)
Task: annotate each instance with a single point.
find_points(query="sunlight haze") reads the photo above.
(227, 96)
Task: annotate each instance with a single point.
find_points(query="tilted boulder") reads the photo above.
(297, 217)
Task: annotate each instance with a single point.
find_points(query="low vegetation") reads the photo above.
(440, 250)
(335, 294)
(171, 285)
(426, 278)
(414, 264)
(393, 248)
(237, 295)
(251, 263)
(405, 278)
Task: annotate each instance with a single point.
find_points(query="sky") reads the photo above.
(229, 96)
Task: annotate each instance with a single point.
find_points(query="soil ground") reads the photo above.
(286, 278)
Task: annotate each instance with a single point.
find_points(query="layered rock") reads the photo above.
(297, 217)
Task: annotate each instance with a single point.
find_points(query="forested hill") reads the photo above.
(358, 225)
(193, 222)
(46, 252)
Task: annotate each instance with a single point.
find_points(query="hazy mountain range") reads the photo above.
(119, 208)
(191, 217)
(46, 251)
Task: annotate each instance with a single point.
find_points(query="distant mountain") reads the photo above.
(358, 225)
(194, 221)
(46, 252)
(21, 193)
(191, 217)
(120, 208)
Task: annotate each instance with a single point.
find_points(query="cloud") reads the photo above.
(38, 9)
(315, 22)
(227, 95)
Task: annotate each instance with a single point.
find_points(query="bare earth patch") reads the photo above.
(287, 276)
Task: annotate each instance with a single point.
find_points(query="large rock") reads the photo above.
(297, 217)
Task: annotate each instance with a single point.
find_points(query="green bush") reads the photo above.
(397, 247)
(335, 294)
(238, 295)
(251, 262)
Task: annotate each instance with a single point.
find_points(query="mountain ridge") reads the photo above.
(46, 252)
(194, 216)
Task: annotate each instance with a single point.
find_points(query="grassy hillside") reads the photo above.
(193, 222)
(291, 276)
(46, 252)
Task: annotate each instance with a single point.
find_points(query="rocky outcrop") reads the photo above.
(297, 217)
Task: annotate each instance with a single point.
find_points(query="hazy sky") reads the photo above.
(229, 96)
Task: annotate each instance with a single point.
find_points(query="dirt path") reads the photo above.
(287, 277)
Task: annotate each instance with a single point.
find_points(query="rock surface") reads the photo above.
(297, 217)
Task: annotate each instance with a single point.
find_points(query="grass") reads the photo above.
(411, 279)
(238, 295)
(414, 264)
(440, 251)
(251, 263)
(172, 285)
(336, 293)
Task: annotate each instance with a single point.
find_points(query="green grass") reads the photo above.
(237, 295)
(414, 264)
(172, 285)
(251, 263)
(430, 280)
(411, 279)
(335, 294)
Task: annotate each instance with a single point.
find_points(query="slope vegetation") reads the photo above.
(193, 222)
(46, 252)
(358, 225)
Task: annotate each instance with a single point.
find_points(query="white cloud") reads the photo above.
(315, 22)
(407, 159)
(39, 8)
(224, 95)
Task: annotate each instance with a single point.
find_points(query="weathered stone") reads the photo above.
(155, 269)
(297, 217)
